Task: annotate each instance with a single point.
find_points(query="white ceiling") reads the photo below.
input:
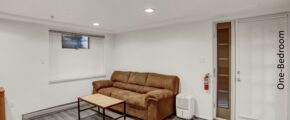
(126, 15)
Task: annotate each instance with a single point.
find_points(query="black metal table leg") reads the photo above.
(79, 112)
(124, 110)
(104, 114)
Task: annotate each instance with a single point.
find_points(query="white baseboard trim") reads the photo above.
(204, 117)
(219, 119)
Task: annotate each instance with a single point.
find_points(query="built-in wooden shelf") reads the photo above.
(223, 70)
(224, 58)
(223, 75)
(223, 44)
(223, 91)
(2, 104)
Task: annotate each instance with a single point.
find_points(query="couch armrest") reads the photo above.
(158, 95)
(101, 84)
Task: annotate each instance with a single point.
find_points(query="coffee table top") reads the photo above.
(101, 100)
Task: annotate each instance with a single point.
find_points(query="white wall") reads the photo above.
(68, 64)
(184, 50)
(24, 71)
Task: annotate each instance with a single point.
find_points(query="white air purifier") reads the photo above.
(185, 106)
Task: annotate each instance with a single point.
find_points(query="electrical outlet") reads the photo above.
(42, 61)
(203, 60)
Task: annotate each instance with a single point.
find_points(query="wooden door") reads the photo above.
(260, 94)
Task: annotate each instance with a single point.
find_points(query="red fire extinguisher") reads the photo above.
(206, 81)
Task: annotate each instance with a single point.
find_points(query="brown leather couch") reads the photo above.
(149, 96)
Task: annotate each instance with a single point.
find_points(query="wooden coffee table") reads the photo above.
(100, 101)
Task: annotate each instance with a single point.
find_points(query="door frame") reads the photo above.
(233, 68)
(288, 47)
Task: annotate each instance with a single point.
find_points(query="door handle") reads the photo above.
(238, 73)
(239, 79)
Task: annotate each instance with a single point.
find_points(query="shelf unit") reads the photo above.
(223, 70)
(223, 44)
(2, 104)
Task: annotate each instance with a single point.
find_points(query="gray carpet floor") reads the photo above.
(89, 115)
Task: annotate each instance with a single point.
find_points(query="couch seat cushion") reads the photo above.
(129, 87)
(123, 94)
(108, 91)
(133, 87)
(146, 89)
(138, 100)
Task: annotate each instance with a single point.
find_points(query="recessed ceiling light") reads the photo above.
(149, 10)
(96, 24)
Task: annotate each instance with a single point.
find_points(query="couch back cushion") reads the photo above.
(120, 76)
(169, 82)
(138, 78)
